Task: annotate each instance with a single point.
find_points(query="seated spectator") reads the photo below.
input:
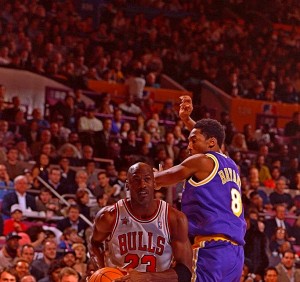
(169, 144)
(79, 104)
(251, 142)
(49, 254)
(14, 166)
(55, 181)
(292, 128)
(238, 143)
(255, 248)
(69, 237)
(279, 196)
(278, 238)
(103, 186)
(106, 105)
(129, 108)
(27, 252)
(41, 167)
(68, 174)
(14, 223)
(19, 196)
(271, 274)
(80, 252)
(82, 200)
(117, 121)
(286, 268)
(168, 112)
(279, 220)
(295, 232)
(5, 182)
(263, 169)
(24, 153)
(44, 138)
(9, 251)
(7, 138)
(21, 266)
(38, 117)
(46, 203)
(88, 125)
(9, 113)
(73, 220)
(54, 270)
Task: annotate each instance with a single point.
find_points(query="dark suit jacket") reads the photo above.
(64, 223)
(270, 227)
(12, 198)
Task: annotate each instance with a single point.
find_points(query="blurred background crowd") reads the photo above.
(58, 169)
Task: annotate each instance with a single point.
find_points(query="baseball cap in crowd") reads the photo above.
(69, 251)
(14, 208)
(12, 235)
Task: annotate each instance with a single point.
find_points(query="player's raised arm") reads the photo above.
(185, 111)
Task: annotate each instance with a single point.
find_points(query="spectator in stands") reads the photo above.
(55, 181)
(88, 126)
(80, 252)
(68, 174)
(68, 274)
(129, 146)
(73, 220)
(255, 248)
(279, 220)
(117, 121)
(46, 203)
(295, 181)
(38, 117)
(45, 138)
(66, 109)
(14, 166)
(238, 143)
(22, 267)
(19, 196)
(27, 252)
(279, 196)
(41, 167)
(129, 107)
(10, 249)
(15, 222)
(103, 186)
(9, 113)
(119, 186)
(263, 169)
(8, 274)
(168, 112)
(6, 136)
(28, 278)
(79, 104)
(271, 274)
(33, 133)
(49, 254)
(169, 145)
(286, 268)
(82, 200)
(5, 182)
(24, 153)
(56, 138)
(68, 238)
(19, 126)
(53, 272)
(103, 139)
(292, 128)
(106, 105)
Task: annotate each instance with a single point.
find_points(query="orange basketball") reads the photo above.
(106, 274)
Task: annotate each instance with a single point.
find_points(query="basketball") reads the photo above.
(106, 274)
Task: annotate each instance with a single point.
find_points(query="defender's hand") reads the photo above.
(186, 107)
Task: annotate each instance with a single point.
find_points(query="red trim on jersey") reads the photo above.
(130, 212)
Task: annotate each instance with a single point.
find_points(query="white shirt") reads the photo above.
(22, 201)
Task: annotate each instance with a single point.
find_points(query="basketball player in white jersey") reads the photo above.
(142, 234)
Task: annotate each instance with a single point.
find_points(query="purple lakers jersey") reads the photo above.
(213, 205)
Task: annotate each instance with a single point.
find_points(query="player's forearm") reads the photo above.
(189, 123)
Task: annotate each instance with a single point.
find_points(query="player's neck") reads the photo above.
(144, 211)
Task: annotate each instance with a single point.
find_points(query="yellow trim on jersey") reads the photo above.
(200, 240)
(211, 176)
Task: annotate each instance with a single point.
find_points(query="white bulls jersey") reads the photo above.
(143, 245)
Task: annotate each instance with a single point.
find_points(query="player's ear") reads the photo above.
(212, 142)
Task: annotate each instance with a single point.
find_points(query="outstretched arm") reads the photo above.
(185, 111)
(198, 165)
(102, 228)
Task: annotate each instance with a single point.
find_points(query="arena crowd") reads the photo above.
(83, 152)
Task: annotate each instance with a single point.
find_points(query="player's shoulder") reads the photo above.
(176, 215)
(106, 213)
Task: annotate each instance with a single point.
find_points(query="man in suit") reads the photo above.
(19, 196)
(277, 221)
(73, 220)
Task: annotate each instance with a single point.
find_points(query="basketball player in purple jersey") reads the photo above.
(211, 200)
(143, 234)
